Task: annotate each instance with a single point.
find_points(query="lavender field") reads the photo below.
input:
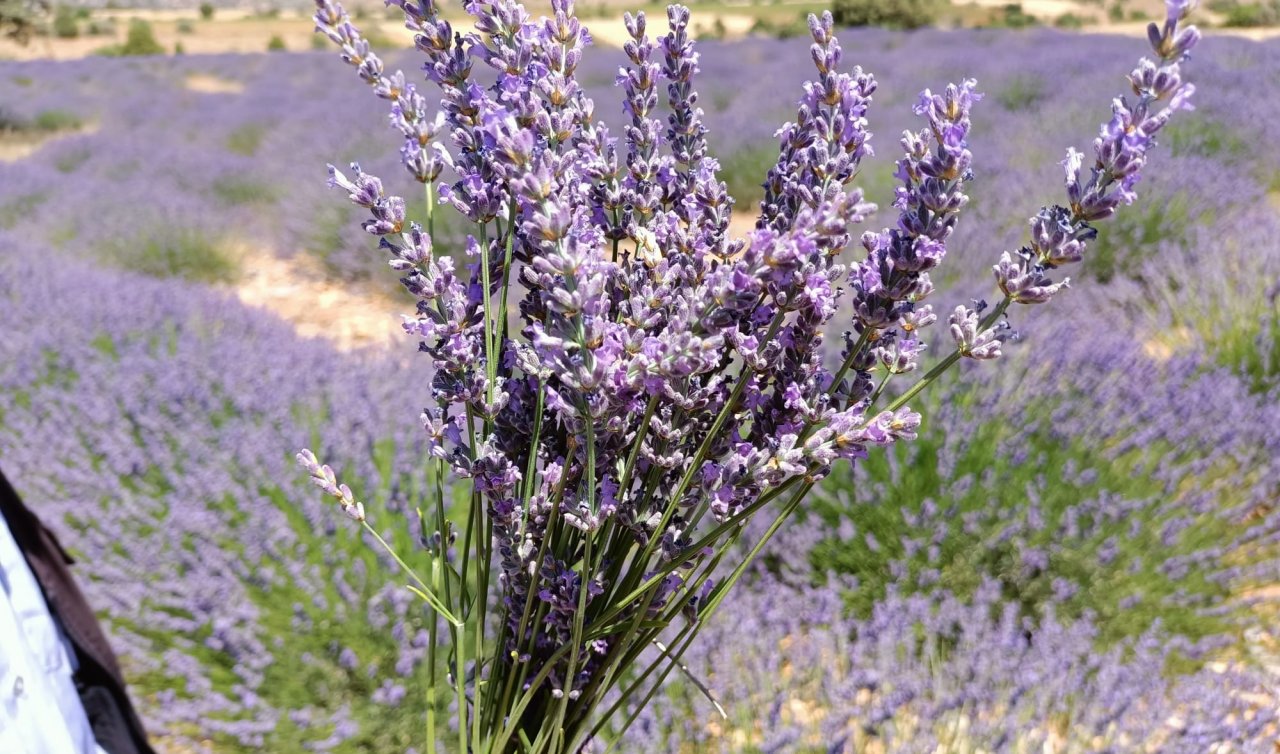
(1080, 553)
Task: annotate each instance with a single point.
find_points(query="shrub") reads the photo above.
(276, 44)
(140, 40)
(206, 11)
(1070, 21)
(893, 14)
(186, 27)
(21, 19)
(1012, 16)
(796, 27)
(56, 120)
(65, 25)
(1248, 15)
(1021, 93)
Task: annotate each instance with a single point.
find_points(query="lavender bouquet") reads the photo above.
(660, 384)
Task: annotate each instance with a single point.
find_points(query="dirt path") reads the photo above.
(296, 290)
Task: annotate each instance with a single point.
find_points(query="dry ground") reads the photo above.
(239, 31)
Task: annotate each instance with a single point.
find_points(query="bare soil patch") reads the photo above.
(207, 84)
(297, 291)
(18, 145)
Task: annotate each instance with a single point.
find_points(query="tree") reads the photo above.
(19, 19)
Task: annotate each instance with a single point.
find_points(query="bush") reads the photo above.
(206, 11)
(20, 19)
(65, 25)
(140, 40)
(1070, 21)
(56, 120)
(169, 253)
(894, 14)
(780, 29)
(186, 27)
(1012, 16)
(1247, 15)
(276, 44)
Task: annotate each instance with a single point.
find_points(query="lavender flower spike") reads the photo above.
(326, 480)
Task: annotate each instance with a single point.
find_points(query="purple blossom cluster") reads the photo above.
(666, 383)
(929, 673)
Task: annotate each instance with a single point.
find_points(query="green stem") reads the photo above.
(422, 590)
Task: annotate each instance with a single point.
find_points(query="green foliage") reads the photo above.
(378, 39)
(238, 191)
(103, 28)
(178, 49)
(15, 209)
(1205, 137)
(206, 11)
(1248, 15)
(1022, 92)
(1251, 346)
(1131, 237)
(21, 19)
(65, 23)
(1071, 21)
(46, 121)
(1116, 12)
(139, 40)
(186, 27)
(893, 14)
(56, 120)
(743, 172)
(1012, 16)
(246, 139)
(781, 29)
(276, 44)
(173, 253)
(717, 31)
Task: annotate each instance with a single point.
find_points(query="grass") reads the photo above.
(1132, 237)
(236, 191)
(13, 211)
(186, 254)
(44, 122)
(246, 139)
(1021, 93)
(1205, 137)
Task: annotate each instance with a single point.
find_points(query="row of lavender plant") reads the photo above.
(668, 382)
(189, 422)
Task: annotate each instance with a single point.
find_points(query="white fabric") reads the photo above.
(40, 711)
